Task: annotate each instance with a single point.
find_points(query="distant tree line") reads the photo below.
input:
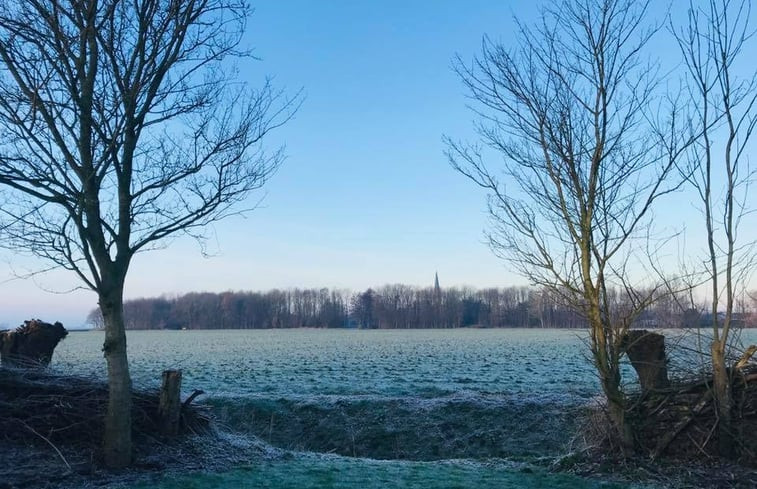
(294, 308)
(389, 307)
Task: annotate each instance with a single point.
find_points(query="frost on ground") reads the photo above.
(35, 467)
(454, 427)
(419, 396)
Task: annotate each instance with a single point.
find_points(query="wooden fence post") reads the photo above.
(169, 407)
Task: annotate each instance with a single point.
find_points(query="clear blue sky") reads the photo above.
(366, 196)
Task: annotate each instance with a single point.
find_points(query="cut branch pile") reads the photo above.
(681, 421)
(42, 408)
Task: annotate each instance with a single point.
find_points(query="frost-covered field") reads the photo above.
(310, 362)
(365, 409)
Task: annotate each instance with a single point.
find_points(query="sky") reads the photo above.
(366, 196)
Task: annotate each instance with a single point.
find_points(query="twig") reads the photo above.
(659, 406)
(670, 435)
(709, 435)
(749, 378)
(744, 360)
(700, 447)
(48, 442)
(192, 397)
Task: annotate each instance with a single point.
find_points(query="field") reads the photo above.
(364, 409)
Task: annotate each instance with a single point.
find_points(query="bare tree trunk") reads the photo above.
(604, 353)
(117, 441)
(616, 405)
(616, 408)
(723, 399)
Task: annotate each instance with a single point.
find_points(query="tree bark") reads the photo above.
(721, 385)
(606, 352)
(117, 438)
(616, 410)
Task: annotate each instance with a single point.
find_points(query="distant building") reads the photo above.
(437, 297)
(738, 320)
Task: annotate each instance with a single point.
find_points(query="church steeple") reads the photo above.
(436, 300)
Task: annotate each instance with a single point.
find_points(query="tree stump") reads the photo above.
(169, 407)
(646, 350)
(31, 344)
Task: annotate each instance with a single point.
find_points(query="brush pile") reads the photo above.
(676, 437)
(681, 422)
(38, 407)
(51, 431)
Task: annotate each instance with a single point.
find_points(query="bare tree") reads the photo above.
(121, 124)
(95, 319)
(724, 111)
(572, 116)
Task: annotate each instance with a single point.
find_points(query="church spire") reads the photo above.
(437, 290)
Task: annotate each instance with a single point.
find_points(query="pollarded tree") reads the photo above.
(722, 87)
(571, 114)
(121, 124)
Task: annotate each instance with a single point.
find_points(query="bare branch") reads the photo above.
(573, 113)
(122, 124)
